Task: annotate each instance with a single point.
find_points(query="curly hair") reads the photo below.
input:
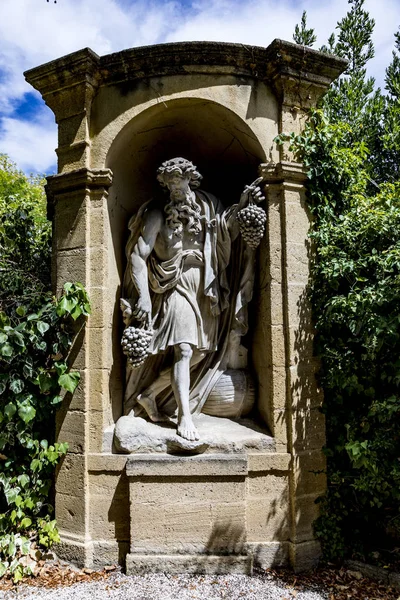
(182, 166)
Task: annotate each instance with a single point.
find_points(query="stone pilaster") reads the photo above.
(294, 398)
(81, 241)
(68, 86)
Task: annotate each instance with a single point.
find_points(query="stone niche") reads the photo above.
(242, 502)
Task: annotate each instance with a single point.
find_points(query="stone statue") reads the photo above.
(187, 284)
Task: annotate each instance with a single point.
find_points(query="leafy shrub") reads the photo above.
(36, 333)
(356, 299)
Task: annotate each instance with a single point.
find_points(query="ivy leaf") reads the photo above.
(65, 305)
(3, 338)
(16, 386)
(26, 544)
(6, 350)
(23, 480)
(42, 326)
(26, 412)
(21, 311)
(45, 382)
(11, 494)
(69, 381)
(10, 409)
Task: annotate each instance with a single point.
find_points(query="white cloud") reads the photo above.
(30, 144)
(35, 31)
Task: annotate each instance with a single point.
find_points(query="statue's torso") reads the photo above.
(168, 244)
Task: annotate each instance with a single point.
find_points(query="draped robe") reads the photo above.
(225, 289)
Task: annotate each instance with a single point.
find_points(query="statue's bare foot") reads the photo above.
(187, 430)
(150, 406)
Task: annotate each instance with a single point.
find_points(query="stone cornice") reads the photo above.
(279, 61)
(64, 72)
(283, 172)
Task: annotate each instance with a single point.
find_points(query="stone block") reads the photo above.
(308, 429)
(71, 473)
(304, 556)
(74, 549)
(106, 462)
(268, 486)
(268, 555)
(109, 506)
(297, 218)
(100, 342)
(70, 428)
(99, 227)
(276, 304)
(297, 263)
(95, 430)
(275, 260)
(305, 392)
(278, 351)
(102, 308)
(305, 512)
(99, 269)
(74, 157)
(109, 553)
(175, 527)
(309, 474)
(278, 384)
(72, 129)
(299, 308)
(269, 462)
(281, 426)
(71, 265)
(139, 564)
(267, 520)
(109, 517)
(164, 490)
(205, 465)
(71, 221)
(71, 512)
(301, 344)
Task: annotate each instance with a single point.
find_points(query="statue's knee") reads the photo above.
(184, 351)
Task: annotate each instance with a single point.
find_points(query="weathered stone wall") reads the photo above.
(119, 116)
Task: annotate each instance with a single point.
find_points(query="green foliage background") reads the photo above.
(351, 149)
(35, 337)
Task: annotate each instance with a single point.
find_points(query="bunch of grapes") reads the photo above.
(135, 344)
(251, 221)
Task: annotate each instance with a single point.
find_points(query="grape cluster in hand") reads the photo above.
(251, 221)
(135, 344)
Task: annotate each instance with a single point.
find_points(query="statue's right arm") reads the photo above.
(152, 223)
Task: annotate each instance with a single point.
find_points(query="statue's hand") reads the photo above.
(252, 190)
(142, 310)
(126, 311)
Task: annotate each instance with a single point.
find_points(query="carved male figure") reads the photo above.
(185, 281)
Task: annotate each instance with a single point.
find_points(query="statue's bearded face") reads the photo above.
(178, 185)
(182, 211)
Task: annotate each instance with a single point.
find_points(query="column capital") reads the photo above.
(283, 172)
(84, 180)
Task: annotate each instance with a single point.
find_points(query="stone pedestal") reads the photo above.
(119, 117)
(208, 513)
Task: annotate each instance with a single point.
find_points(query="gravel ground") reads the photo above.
(171, 587)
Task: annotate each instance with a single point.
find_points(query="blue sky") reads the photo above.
(33, 32)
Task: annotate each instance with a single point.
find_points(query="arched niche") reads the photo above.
(222, 146)
(220, 143)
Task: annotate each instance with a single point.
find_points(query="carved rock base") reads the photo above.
(136, 435)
